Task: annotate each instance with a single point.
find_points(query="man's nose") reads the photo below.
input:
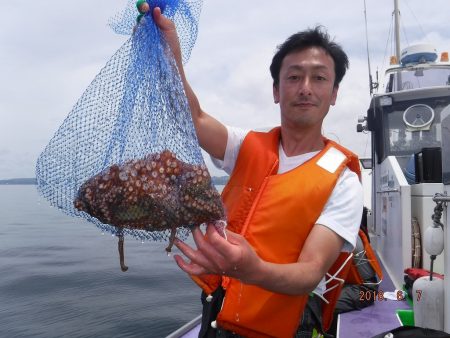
(305, 86)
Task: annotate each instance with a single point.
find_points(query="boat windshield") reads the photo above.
(404, 141)
(406, 78)
(404, 135)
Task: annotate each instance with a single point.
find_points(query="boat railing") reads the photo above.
(187, 330)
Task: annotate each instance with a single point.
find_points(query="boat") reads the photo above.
(409, 123)
(409, 187)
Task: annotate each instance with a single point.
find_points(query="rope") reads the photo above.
(333, 277)
(416, 250)
(417, 20)
(436, 217)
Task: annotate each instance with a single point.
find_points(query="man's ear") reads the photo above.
(334, 95)
(276, 94)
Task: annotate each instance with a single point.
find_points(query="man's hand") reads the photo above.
(232, 257)
(166, 26)
(237, 259)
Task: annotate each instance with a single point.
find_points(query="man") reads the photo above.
(292, 202)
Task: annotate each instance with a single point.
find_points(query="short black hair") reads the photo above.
(315, 37)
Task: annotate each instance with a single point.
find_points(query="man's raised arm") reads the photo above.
(211, 133)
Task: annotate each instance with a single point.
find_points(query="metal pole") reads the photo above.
(446, 262)
(397, 42)
(445, 134)
(397, 29)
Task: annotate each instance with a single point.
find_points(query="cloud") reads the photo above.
(51, 52)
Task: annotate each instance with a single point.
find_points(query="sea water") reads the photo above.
(60, 277)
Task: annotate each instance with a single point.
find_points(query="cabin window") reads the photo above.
(401, 140)
(414, 78)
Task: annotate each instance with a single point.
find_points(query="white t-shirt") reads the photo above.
(343, 210)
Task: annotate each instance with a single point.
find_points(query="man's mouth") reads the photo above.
(304, 104)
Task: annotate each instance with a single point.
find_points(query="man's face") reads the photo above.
(306, 88)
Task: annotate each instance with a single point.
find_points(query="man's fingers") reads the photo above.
(231, 248)
(194, 255)
(161, 21)
(215, 237)
(220, 242)
(215, 258)
(157, 14)
(190, 268)
(233, 237)
(214, 253)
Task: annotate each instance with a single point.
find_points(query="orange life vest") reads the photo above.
(354, 276)
(275, 213)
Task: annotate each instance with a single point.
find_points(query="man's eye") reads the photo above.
(321, 78)
(293, 77)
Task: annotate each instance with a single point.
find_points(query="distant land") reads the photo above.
(18, 181)
(220, 180)
(217, 180)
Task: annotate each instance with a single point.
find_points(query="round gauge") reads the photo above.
(418, 116)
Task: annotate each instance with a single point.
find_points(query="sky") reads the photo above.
(51, 50)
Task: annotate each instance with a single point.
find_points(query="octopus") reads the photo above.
(156, 193)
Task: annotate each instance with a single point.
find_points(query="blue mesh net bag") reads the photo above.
(127, 158)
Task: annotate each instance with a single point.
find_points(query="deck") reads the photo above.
(375, 319)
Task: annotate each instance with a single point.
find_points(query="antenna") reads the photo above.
(372, 85)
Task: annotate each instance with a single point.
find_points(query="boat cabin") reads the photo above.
(418, 68)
